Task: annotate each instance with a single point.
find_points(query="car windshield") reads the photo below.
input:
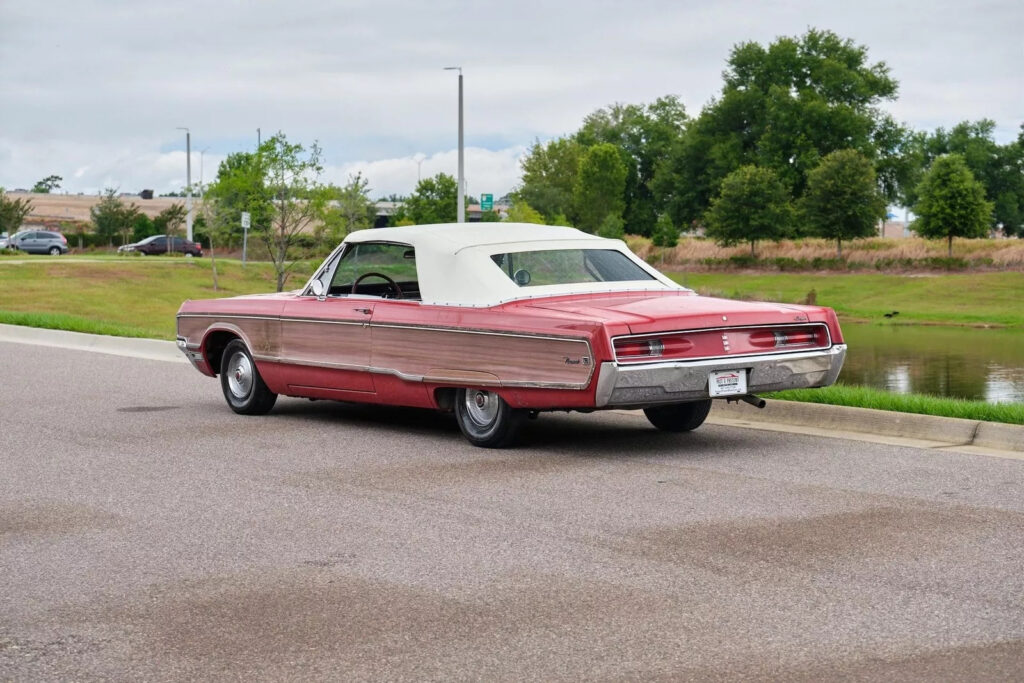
(568, 266)
(154, 238)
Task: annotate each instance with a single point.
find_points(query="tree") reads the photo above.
(999, 168)
(753, 205)
(644, 135)
(951, 203)
(13, 212)
(47, 184)
(435, 200)
(297, 198)
(666, 234)
(521, 212)
(842, 201)
(240, 187)
(600, 186)
(111, 216)
(350, 209)
(783, 108)
(549, 176)
(169, 221)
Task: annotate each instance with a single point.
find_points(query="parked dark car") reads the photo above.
(39, 242)
(157, 244)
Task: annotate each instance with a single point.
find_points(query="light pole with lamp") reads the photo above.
(461, 209)
(201, 153)
(188, 182)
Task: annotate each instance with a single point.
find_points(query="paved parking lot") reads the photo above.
(146, 532)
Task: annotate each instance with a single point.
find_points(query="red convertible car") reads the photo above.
(498, 322)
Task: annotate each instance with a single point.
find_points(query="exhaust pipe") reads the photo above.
(755, 401)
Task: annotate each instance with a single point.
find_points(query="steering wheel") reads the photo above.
(382, 276)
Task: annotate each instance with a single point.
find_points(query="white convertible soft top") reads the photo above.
(454, 266)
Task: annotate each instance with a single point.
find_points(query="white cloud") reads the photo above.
(93, 90)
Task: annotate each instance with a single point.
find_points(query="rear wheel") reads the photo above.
(54, 251)
(485, 418)
(679, 417)
(241, 383)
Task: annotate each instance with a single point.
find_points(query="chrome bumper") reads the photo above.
(675, 382)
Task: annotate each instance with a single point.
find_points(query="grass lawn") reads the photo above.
(981, 298)
(131, 297)
(866, 397)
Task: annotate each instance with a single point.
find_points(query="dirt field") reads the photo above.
(70, 207)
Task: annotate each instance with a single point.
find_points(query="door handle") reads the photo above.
(367, 311)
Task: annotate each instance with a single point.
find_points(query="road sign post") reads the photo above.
(246, 222)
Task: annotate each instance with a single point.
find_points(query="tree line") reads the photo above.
(794, 144)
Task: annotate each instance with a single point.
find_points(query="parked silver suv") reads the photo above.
(39, 242)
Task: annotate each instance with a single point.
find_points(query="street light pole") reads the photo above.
(461, 209)
(188, 182)
(201, 153)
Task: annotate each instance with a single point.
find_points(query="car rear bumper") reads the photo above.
(675, 382)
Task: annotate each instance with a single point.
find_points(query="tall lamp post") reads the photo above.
(188, 182)
(461, 209)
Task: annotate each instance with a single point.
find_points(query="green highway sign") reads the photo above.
(486, 202)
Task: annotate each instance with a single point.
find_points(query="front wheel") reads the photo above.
(241, 383)
(679, 417)
(485, 418)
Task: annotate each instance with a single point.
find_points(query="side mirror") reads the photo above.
(318, 289)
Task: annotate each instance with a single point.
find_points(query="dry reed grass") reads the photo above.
(867, 254)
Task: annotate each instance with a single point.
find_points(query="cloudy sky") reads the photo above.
(94, 90)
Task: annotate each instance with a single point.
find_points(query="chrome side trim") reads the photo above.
(434, 379)
(674, 382)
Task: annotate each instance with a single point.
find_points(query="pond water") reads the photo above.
(980, 364)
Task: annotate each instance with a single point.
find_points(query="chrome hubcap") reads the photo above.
(482, 406)
(240, 375)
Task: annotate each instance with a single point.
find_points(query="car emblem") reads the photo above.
(725, 342)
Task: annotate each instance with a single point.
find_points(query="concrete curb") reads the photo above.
(149, 349)
(944, 430)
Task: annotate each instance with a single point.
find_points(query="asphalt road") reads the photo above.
(146, 532)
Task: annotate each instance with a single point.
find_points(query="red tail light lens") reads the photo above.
(643, 348)
(788, 337)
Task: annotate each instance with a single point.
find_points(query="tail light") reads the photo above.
(788, 337)
(63, 239)
(652, 347)
(720, 342)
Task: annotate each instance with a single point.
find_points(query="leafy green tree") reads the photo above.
(435, 200)
(490, 217)
(644, 134)
(753, 205)
(47, 184)
(240, 187)
(842, 201)
(784, 108)
(521, 212)
(600, 186)
(279, 187)
(111, 216)
(999, 168)
(143, 228)
(549, 177)
(350, 208)
(169, 221)
(13, 212)
(951, 203)
(666, 234)
(612, 227)
(297, 198)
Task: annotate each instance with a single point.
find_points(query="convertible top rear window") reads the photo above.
(568, 266)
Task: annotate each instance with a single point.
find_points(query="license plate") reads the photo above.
(727, 383)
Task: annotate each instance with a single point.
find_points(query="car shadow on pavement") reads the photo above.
(611, 434)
